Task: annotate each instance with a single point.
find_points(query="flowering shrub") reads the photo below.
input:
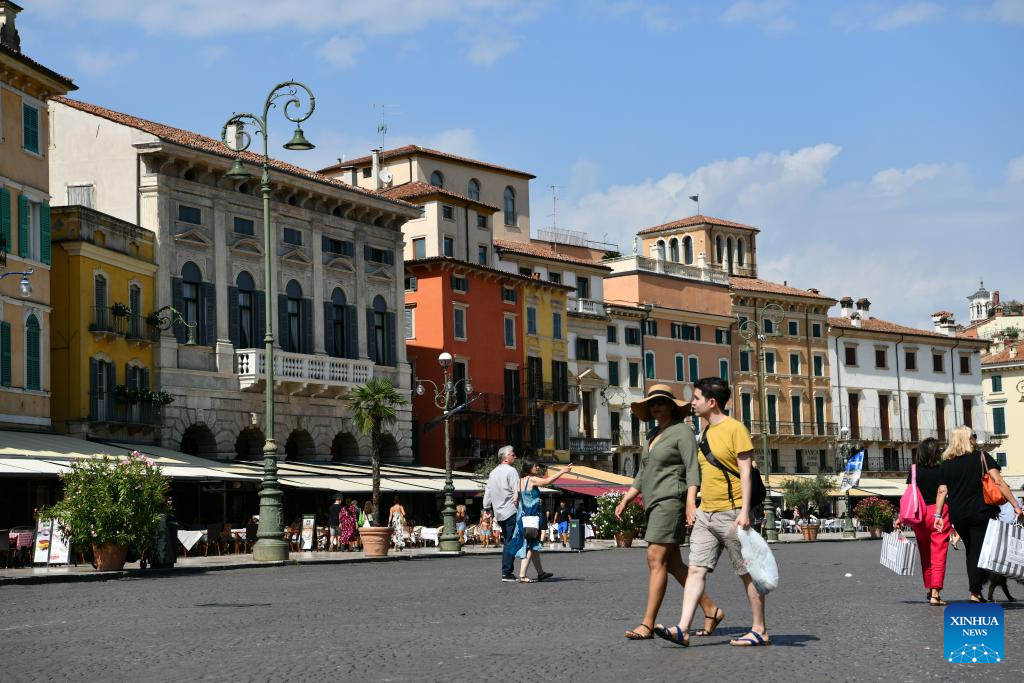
(606, 524)
(111, 501)
(874, 512)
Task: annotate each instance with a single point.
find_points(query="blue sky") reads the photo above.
(877, 145)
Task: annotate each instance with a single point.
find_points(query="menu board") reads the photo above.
(51, 546)
(308, 531)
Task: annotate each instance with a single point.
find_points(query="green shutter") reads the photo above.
(30, 128)
(5, 217)
(32, 367)
(22, 226)
(5, 354)
(998, 421)
(44, 234)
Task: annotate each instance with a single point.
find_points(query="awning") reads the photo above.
(29, 466)
(589, 481)
(867, 486)
(354, 478)
(591, 489)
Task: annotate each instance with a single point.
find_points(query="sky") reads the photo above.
(877, 145)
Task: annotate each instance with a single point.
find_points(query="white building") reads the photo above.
(625, 382)
(337, 287)
(894, 385)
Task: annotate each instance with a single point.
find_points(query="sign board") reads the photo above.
(851, 475)
(308, 531)
(51, 546)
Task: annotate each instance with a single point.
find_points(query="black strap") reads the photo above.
(705, 448)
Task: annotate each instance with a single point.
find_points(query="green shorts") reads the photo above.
(666, 522)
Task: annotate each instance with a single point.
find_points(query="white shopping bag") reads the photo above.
(761, 565)
(1002, 551)
(898, 553)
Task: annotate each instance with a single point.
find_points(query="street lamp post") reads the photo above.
(752, 330)
(845, 447)
(25, 285)
(444, 398)
(270, 545)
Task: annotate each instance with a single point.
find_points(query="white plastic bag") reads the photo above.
(764, 571)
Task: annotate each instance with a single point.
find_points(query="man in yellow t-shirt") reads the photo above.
(719, 516)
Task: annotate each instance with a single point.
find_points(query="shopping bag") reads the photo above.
(1002, 551)
(761, 565)
(898, 553)
(531, 527)
(911, 502)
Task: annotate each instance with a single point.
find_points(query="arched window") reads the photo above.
(293, 338)
(688, 250)
(191, 291)
(510, 206)
(437, 179)
(378, 330)
(740, 257)
(661, 250)
(338, 345)
(728, 253)
(101, 312)
(33, 354)
(718, 249)
(673, 250)
(246, 311)
(474, 189)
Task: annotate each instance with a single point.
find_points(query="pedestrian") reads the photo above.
(501, 497)
(349, 520)
(460, 523)
(526, 539)
(963, 466)
(486, 521)
(668, 471)
(932, 545)
(725, 507)
(334, 520)
(397, 516)
(366, 515)
(563, 515)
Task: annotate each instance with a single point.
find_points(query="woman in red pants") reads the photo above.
(931, 544)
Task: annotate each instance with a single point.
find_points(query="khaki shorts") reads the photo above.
(712, 533)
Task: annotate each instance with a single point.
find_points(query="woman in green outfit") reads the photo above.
(668, 474)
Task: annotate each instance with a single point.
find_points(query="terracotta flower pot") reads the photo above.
(624, 539)
(109, 557)
(875, 531)
(376, 540)
(810, 531)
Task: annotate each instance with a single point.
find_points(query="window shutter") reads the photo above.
(111, 382)
(366, 252)
(209, 330)
(696, 329)
(371, 346)
(234, 318)
(282, 321)
(178, 302)
(389, 257)
(33, 381)
(329, 327)
(129, 377)
(259, 304)
(94, 399)
(44, 233)
(306, 311)
(325, 243)
(30, 128)
(390, 335)
(351, 332)
(22, 226)
(5, 354)
(5, 217)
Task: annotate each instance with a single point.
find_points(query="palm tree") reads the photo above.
(374, 408)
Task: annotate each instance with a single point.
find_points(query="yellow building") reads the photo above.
(102, 344)
(1002, 370)
(24, 229)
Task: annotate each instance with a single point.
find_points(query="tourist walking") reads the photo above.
(366, 515)
(932, 545)
(963, 466)
(460, 523)
(397, 516)
(334, 520)
(486, 522)
(347, 527)
(526, 539)
(501, 497)
(725, 508)
(668, 472)
(563, 515)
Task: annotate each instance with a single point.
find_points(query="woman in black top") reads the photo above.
(960, 486)
(931, 544)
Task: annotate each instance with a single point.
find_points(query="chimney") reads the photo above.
(354, 178)
(376, 169)
(948, 326)
(995, 298)
(9, 37)
(863, 305)
(845, 306)
(812, 290)
(855, 319)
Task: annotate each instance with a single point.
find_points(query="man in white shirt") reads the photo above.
(502, 496)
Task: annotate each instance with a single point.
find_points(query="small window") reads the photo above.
(510, 332)
(769, 326)
(851, 355)
(937, 362)
(910, 360)
(633, 336)
(819, 366)
(292, 236)
(410, 322)
(510, 207)
(448, 245)
(997, 383)
(613, 334)
(474, 189)
(651, 328)
(769, 363)
(555, 277)
(722, 336)
(244, 226)
(411, 283)
(459, 283)
(1001, 459)
(508, 295)
(447, 212)
(694, 368)
(531, 320)
(999, 420)
(30, 128)
(368, 172)
(556, 325)
(481, 221)
(80, 194)
(794, 328)
(481, 255)
(816, 330)
(582, 287)
(794, 364)
(880, 358)
(649, 369)
(744, 361)
(680, 369)
(419, 248)
(437, 179)
(190, 214)
(460, 324)
(340, 247)
(965, 365)
(526, 272)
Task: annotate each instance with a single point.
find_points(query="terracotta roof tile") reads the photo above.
(530, 249)
(876, 325)
(696, 220)
(1004, 356)
(187, 138)
(474, 267)
(753, 284)
(412, 150)
(417, 190)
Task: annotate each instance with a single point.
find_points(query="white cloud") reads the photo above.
(101, 62)
(1007, 11)
(485, 51)
(1015, 170)
(908, 15)
(212, 53)
(893, 181)
(768, 14)
(340, 52)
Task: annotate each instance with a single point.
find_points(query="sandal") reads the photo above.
(526, 579)
(757, 641)
(673, 634)
(633, 635)
(715, 621)
(980, 599)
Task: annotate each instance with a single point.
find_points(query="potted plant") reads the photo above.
(111, 505)
(120, 310)
(607, 525)
(807, 495)
(374, 407)
(875, 513)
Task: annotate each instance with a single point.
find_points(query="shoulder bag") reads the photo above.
(758, 492)
(531, 523)
(912, 502)
(989, 489)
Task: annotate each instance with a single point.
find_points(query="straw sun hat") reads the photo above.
(642, 408)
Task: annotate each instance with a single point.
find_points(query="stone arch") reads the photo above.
(198, 440)
(249, 444)
(300, 446)
(345, 448)
(389, 449)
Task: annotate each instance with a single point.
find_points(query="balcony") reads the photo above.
(493, 405)
(793, 429)
(105, 324)
(622, 438)
(300, 374)
(626, 264)
(139, 331)
(588, 306)
(558, 397)
(108, 408)
(579, 445)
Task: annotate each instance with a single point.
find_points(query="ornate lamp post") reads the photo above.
(270, 545)
(25, 286)
(444, 398)
(752, 330)
(164, 322)
(845, 447)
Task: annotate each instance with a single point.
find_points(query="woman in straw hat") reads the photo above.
(668, 473)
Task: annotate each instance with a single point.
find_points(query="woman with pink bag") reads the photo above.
(920, 515)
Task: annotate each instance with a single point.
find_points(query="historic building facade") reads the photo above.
(1002, 371)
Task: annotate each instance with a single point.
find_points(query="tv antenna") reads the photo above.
(554, 207)
(382, 127)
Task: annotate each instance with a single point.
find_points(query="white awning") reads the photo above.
(29, 466)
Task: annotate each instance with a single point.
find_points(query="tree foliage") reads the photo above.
(374, 407)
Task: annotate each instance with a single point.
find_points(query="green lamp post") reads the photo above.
(270, 544)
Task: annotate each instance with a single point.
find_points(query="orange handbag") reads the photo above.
(989, 489)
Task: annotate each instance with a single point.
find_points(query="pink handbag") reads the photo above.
(912, 502)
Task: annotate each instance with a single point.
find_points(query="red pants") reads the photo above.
(933, 546)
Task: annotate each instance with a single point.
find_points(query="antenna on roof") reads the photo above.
(382, 127)
(554, 216)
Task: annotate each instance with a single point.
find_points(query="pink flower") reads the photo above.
(136, 454)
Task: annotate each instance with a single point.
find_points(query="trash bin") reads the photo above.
(576, 538)
(162, 552)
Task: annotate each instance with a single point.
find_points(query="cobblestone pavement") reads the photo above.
(452, 619)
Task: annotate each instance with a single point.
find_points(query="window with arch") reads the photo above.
(649, 369)
(511, 218)
(673, 250)
(336, 325)
(135, 306)
(101, 316)
(437, 179)
(688, 250)
(292, 338)
(718, 249)
(246, 311)
(380, 329)
(728, 254)
(660, 250)
(191, 302)
(33, 354)
(740, 255)
(474, 189)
